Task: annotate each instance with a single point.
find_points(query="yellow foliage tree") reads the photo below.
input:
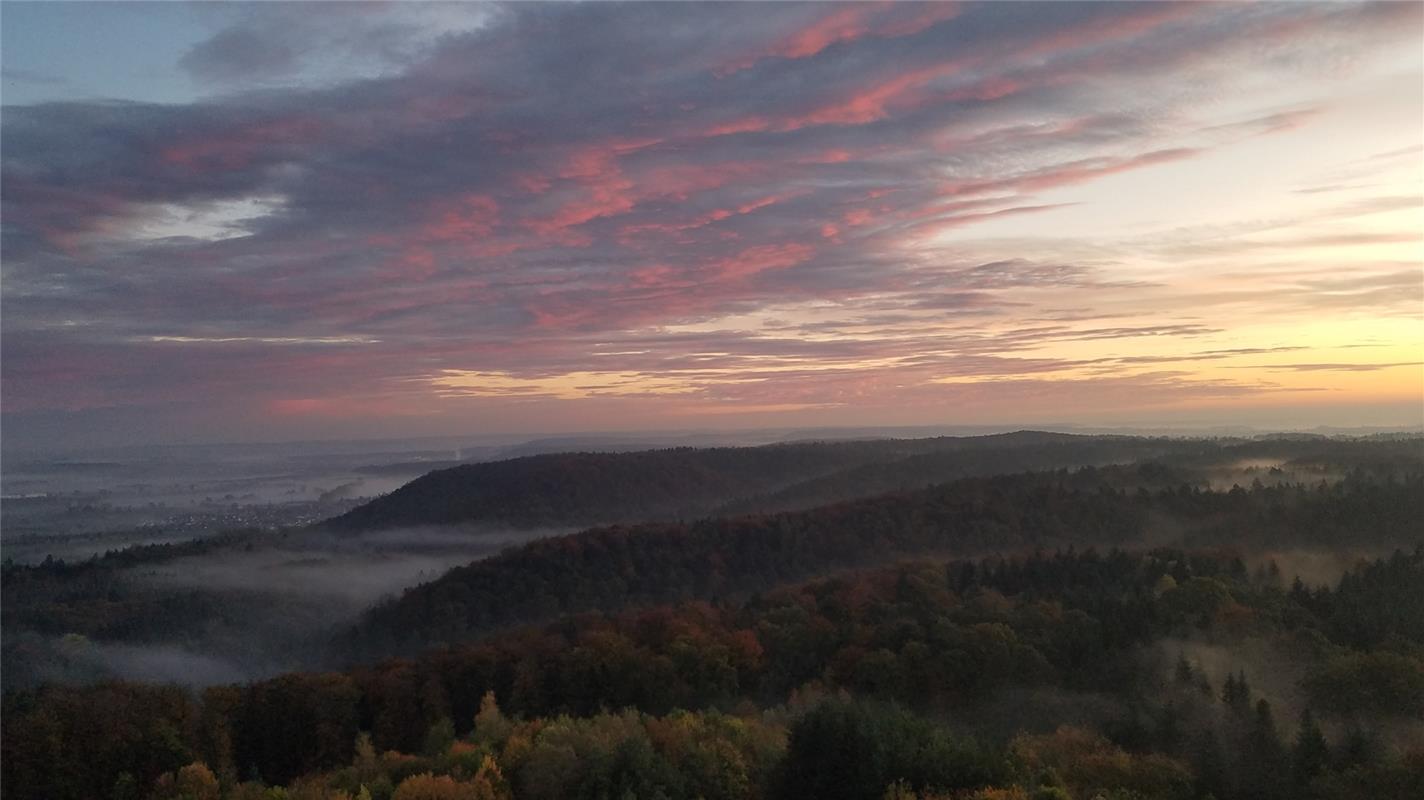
(491, 726)
(489, 782)
(197, 782)
(426, 786)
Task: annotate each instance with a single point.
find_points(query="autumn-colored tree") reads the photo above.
(489, 782)
(215, 729)
(197, 782)
(426, 786)
(490, 724)
(1087, 764)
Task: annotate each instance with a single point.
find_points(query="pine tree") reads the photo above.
(1265, 740)
(1204, 685)
(1236, 693)
(1169, 733)
(1361, 747)
(1184, 671)
(1262, 759)
(1228, 690)
(1207, 764)
(1311, 754)
(439, 737)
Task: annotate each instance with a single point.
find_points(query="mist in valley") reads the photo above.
(272, 604)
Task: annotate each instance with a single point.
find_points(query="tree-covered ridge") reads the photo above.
(1183, 662)
(54, 613)
(112, 600)
(581, 489)
(955, 640)
(91, 597)
(1194, 461)
(618, 566)
(563, 489)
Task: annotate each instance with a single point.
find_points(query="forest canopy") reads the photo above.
(1131, 631)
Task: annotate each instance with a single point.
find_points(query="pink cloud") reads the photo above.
(848, 23)
(1098, 30)
(873, 103)
(237, 148)
(755, 260)
(473, 216)
(858, 216)
(743, 125)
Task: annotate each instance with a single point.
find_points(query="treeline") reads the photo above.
(618, 566)
(94, 598)
(953, 640)
(1193, 461)
(1025, 452)
(564, 489)
(579, 489)
(47, 606)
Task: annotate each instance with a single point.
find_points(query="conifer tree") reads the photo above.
(1184, 670)
(1311, 754)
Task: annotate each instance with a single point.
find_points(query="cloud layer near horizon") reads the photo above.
(872, 212)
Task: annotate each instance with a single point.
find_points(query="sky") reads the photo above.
(242, 222)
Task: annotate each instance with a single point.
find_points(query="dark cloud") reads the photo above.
(240, 54)
(539, 181)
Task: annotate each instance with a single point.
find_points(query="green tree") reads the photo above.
(491, 725)
(845, 750)
(439, 737)
(1310, 755)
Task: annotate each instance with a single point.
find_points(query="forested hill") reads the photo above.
(631, 565)
(580, 489)
(1207, 461)
(984, 662)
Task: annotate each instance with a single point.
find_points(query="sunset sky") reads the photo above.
(252, 222)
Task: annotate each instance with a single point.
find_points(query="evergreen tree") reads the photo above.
(1236, 693)
(1261, 762)
(1361, 748)
(1184, 671)
(1204, 685)
(1169, 733)
(1208, 765)
(1310, 755)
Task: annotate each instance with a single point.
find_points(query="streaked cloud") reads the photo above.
(461, 213)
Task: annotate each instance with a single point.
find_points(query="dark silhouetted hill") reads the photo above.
(580, 489)
(620, 566)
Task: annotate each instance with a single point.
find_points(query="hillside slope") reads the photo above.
(620, 566)
(581, 489)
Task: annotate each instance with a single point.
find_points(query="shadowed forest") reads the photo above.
(1020, 616)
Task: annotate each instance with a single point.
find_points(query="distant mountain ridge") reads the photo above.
(591, 488)
(866, 502)
(629, 565)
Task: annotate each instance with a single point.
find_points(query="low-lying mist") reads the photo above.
(267, 607)
(347, 573)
